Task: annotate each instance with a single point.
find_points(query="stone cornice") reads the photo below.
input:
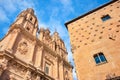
(90, 12)
(27, 65)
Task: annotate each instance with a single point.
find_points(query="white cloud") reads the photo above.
(25, 4)
(3, 16)
(67, 6)
(8, 6)
(42, 25)
(65, 2)
(11, 6)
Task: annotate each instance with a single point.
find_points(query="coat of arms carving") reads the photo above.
(23, 47)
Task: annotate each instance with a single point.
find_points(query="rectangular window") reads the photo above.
(47, 69)
(106, 17)
(102, 57)
(99, 58)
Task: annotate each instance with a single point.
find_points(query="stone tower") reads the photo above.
(24, 56)
(95, 39)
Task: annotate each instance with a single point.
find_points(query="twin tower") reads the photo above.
(24, 55)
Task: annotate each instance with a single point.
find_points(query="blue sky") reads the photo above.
(51, 14)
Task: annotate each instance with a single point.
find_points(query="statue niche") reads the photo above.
(23, 47)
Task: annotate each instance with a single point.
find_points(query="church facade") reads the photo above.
(24, 55)
(95, 41)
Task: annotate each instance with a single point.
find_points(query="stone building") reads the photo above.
(24, 55)
(95, 41)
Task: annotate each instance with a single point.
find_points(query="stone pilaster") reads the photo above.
(32, 52)
(13, 38)
(39, 57)
(56, 74)
(61, 70)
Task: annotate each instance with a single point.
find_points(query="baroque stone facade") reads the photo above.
(95, 41)
(26, 56)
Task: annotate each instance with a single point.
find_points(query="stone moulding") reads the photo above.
(27, 66)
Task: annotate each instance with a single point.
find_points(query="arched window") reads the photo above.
(99, 58)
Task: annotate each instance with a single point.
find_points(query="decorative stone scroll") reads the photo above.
(23, 47)
(28, 75)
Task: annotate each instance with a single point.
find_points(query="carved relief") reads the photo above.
(23, 47)
(4, 63)
(33, 75)
(17, 68)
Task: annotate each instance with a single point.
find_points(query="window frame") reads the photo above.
(98, 56)
(47, 68)
(105, 17)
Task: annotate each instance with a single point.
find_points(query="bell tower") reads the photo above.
(28, 21)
